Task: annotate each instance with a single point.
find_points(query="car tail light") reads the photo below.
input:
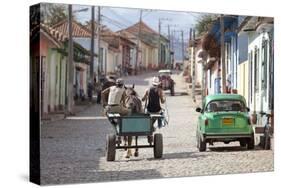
(206, 122)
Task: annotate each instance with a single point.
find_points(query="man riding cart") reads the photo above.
(116, 98)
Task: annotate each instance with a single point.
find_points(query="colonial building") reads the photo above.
(122, 52)
(153, 48)
(51, 63)
(51, 58)
(211, 43)
(260, 32)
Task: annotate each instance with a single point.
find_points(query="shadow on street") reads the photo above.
(227, 149)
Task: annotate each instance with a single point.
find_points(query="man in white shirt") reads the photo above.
(116, 98)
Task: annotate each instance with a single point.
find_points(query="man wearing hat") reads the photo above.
(153, 96)
(116, 98)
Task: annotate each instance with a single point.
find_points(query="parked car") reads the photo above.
(224, 118)
(167, 83)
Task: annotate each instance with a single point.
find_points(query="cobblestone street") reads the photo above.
(73, 149)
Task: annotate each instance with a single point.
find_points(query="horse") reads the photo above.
(134, 104)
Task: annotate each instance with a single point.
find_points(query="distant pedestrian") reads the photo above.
(228, 83)
(90, 88)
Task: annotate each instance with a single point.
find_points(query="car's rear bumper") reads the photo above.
(227, 136)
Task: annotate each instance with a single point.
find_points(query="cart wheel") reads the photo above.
(201, 144)
(110, 147)
(251, 142)
(158, 145)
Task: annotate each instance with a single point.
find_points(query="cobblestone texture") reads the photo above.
(73, 151)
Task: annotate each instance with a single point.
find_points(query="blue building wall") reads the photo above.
(234, 54)
(243, 47)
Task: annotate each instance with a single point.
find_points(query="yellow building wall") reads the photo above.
(243, 80)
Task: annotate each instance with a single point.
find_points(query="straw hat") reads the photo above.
(155, 81)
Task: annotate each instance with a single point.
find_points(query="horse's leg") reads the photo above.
(125, 141)
(129, 152)
(137, 149)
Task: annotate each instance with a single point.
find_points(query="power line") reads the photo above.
(118, 24)
(121, 17)
(191, 14)
(147, 14)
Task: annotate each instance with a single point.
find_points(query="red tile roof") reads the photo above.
(144, 28)
(78, 30)
(147, 35)
(57, 35)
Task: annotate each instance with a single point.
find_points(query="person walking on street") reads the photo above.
(90, 89)
(116, 98)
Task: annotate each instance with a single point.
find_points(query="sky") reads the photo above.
(121, 18)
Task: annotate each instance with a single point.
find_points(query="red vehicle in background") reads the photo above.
(167, 83)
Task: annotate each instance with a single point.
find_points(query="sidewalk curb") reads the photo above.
(58, 117)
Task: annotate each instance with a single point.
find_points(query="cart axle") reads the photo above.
(138, 146)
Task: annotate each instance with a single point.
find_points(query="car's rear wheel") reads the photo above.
(243, 143)
(266, 139)
(202, 145)
(251, 142)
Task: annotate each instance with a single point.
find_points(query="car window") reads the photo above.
(225, 105)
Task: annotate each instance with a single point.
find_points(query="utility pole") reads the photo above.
(92, 64)
(182, 46)
(70, 70)
(193, 65)
(172, 47)
(99, 55)
(172, 40)
(138, 43)
(159, 43)
(203, 56)
(222, 54)
(169, 47)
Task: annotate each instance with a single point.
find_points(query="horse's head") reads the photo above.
(130, 91)
(132, 101)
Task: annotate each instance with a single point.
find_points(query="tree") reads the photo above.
(53, 13)
(204, 22)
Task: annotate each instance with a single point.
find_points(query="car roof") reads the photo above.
(217, 97)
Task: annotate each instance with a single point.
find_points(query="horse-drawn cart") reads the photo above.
(135, 125)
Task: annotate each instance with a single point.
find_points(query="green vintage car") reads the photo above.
(224, 118)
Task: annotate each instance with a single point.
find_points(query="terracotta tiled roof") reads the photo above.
(78, 30)
(57, 35)
(144, 28)
(147, 35)
(58, 38)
